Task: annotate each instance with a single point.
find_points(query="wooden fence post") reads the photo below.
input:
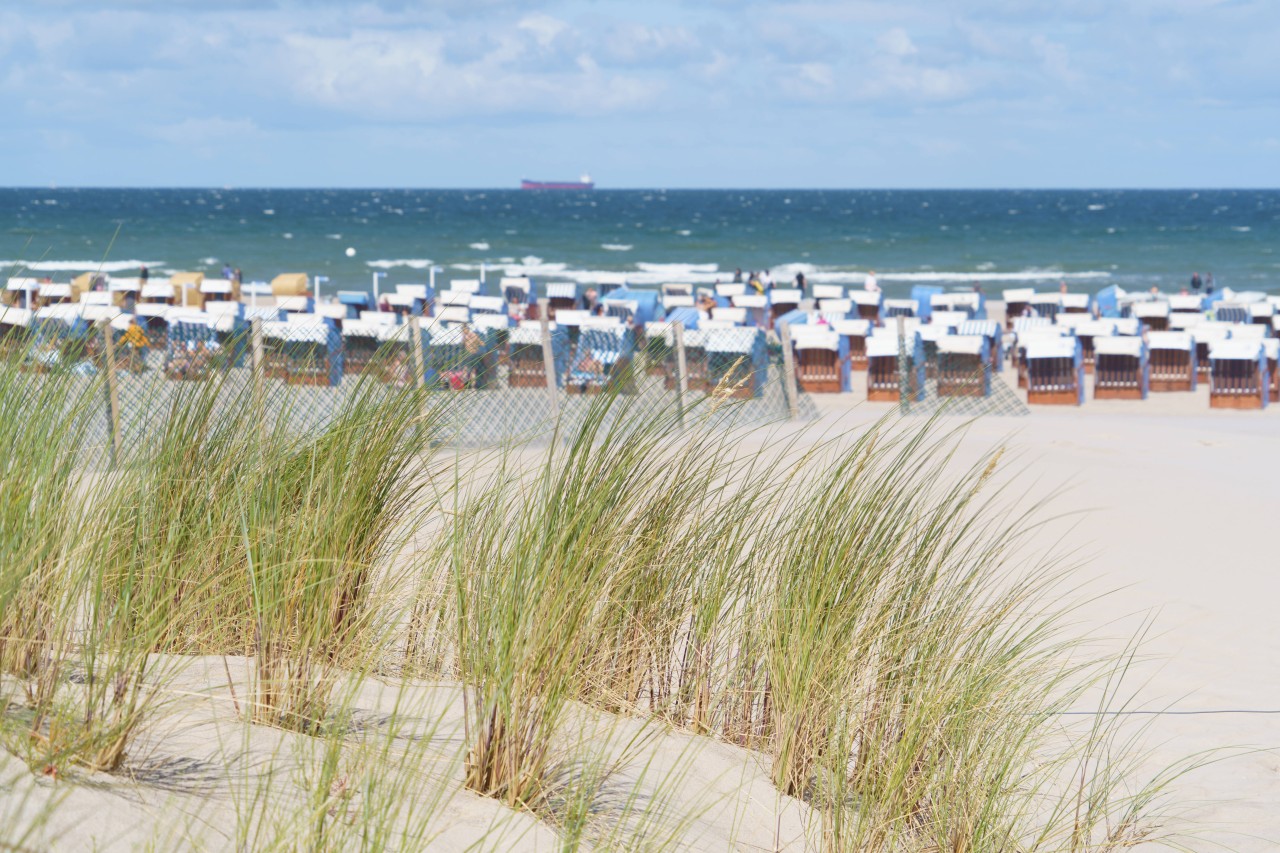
(113, 391)
(416, 353)
(549, 358)
(789, 372)
(682, 366)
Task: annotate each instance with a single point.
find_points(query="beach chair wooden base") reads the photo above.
(526, 380)
(1156, 324)
(1166, 385)
(959, 388)
(1113, 393)
(819, 386)
(1275, 380)
(1053, 398)
(1235, 401)
(884, 395)
(869, 312)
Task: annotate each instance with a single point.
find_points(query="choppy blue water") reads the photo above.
(999, 238)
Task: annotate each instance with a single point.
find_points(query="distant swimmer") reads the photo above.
(871, 285)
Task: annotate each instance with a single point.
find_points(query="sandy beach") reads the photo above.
(1167, 507)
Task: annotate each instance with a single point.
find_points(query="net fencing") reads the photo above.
(483, 385)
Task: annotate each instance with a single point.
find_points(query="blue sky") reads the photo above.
(719, 93)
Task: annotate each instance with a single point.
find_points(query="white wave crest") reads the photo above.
(79, 266)
(677, 269)
(411, 263)
(480, 246)
(617, 247)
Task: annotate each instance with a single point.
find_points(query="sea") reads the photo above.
(954, 238)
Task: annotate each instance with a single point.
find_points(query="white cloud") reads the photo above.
(544, 28)
(896, 42)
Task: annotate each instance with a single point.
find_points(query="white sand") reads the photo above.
(1180, 515)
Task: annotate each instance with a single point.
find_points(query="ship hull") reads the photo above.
(557, 185)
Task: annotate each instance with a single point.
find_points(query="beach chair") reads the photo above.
(526, 367)
(899, 308)
(736, 316)
(856, 332)
(821, 359)
(970, 304)
(884, 380)
(303, 352)
(601, 359)
(946, 318)
(1046, 304)
(840, 308)
(1025, 328)
(609, 282)
(377, 346)
(867, 304)
(15, 325)
(20, 292)
(487, 305)
(451, 315)
(1261, 313)
(964, 366)
(1086, 332)
(1016, 301)
(1226, 312)
(467, 285)
(730, 289)
(1153, 315)
(676, 295)
(1184, 320)
(1207, 333)
(1271, 349)
(1121, 369)
(676, 289)
(737, 361)
(1055, 371)
(1186, 303)
(516, 291)
(828, 291)
(929, 336)
(1074, 303)
(1172, 360)
(756, 306)
(192, 350)
(782, 300)
(990, 330)
(1238, 375)
(560, 295)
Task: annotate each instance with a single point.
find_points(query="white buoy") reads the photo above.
(351, 252)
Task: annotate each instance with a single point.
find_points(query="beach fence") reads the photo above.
(488, 380)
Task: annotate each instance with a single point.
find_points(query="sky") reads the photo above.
(648, 93)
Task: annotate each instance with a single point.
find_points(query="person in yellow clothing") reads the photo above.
(135, 342)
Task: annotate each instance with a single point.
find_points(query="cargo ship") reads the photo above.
(583, 183)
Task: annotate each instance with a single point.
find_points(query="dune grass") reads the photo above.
(858, 610)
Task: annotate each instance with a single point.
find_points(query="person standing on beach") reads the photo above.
(227, 271)
(1208, 282)
(800, 282)
(767, 280)
(871, 285)
(1195, 282)
(737, 276)
(143, 274)
(237, 277)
